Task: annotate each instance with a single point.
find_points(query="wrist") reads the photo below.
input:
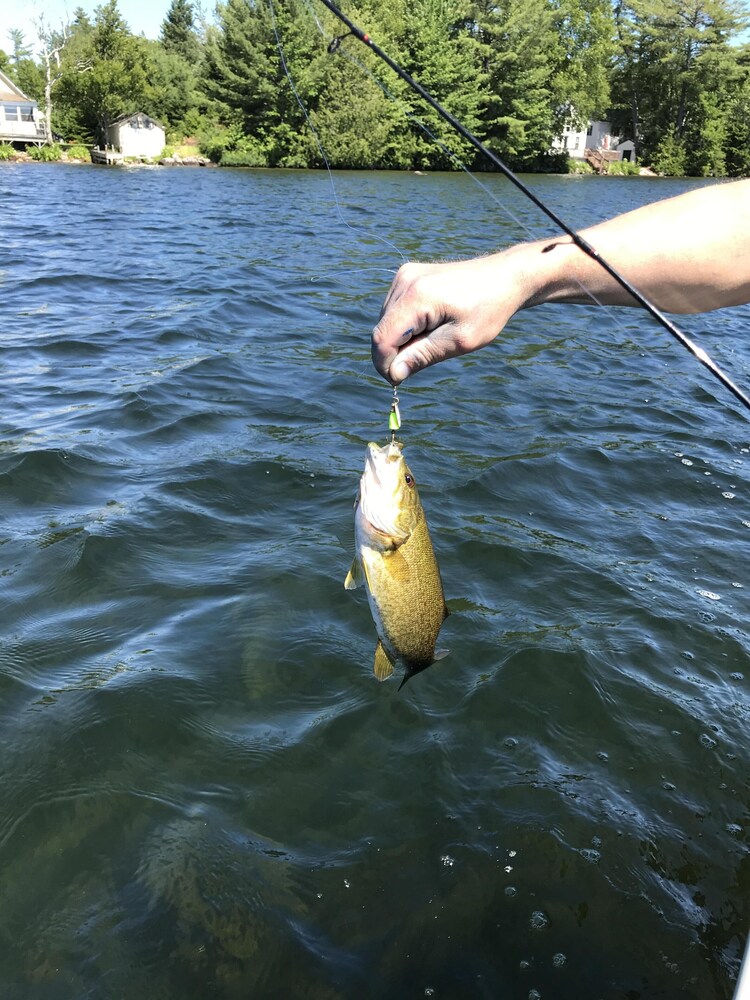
(550, 272)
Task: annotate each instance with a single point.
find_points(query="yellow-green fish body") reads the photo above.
(396, 562)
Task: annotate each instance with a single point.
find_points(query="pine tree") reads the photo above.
(521, 51)
(20, 49)
(178, 33)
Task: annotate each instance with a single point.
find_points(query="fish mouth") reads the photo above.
(377, 487)
(378, 458)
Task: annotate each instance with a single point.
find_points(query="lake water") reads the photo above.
(205, 792)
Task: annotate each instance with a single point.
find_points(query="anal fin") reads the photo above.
(383, 663)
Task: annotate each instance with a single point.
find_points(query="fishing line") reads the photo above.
(578, 240)
(355, 229)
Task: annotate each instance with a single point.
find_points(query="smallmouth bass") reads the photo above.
(395, 561)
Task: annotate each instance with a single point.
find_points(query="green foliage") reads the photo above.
(6, 151)
(623, 168)
(586, 32)
(576, 166)
(171, 91)
(737, 146)
(674, 72)
(670, 156)
(45, 154)
(242, 158)
(21, 67)
(521, 50)
(78, 152)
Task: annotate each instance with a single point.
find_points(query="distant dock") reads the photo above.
(107, 156)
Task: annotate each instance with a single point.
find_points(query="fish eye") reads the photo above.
(409, 480)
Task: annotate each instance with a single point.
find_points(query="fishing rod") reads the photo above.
(575, 236)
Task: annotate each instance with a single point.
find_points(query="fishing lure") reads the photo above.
(394, 417)
(579, 240)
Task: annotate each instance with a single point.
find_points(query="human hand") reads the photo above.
(439, 311)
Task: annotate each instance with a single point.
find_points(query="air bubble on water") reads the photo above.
(603, 756)
(508, 869)
(510, 890)
(710, 595)
(734, 829)
(737, 586)
(687, 655)
(320, 895)
(347, 884)
(729, 496)
(428, 991)
(589, 854)
(448, 861)
(511, 742)
(668, 786)
(524, 965)
(737, 677)
(686, 461)
(707, 741)
(511, 854)
(596, 841)
(539, 920)
(535, 994)
(559, 960)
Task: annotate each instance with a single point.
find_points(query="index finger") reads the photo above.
(388, 338)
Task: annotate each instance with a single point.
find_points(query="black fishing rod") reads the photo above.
(579, 240)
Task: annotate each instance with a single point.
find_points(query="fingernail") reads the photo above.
(399, 371)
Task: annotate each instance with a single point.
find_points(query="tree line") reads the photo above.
(672, 75)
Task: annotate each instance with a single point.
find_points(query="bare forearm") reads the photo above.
(688, 254)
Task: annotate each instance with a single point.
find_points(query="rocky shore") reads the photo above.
(175, 160)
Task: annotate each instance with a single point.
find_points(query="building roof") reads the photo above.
(126, 118)
(10, 91)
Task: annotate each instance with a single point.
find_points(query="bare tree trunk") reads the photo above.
(52, 69)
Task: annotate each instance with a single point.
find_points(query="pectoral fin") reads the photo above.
(383, 662)
(355, 577)
(398, 567)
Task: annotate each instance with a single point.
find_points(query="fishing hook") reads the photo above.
(575, 236)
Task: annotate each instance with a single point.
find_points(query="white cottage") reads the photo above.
(20, 117)
(137, 135)
(597, 137)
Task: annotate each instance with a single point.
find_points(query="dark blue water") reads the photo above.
(205, 793)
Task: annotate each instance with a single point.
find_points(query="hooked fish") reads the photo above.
(395, 561)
